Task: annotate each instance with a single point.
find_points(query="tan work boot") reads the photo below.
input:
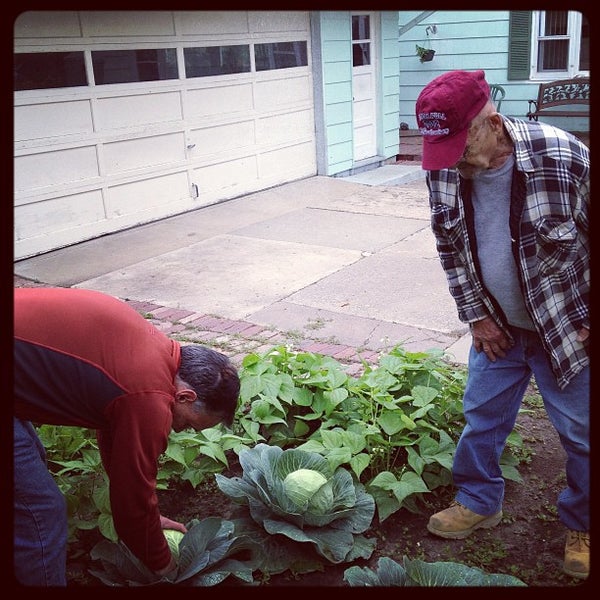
(457, 522)
(577, 554)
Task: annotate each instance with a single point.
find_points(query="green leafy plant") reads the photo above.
(419, 573)
(395, 427)
(425, 54)
(208, 553)
(74, 461)
(196, 455)
(333, 525)
(288, 394)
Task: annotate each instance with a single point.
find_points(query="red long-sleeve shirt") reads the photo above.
(87, 359)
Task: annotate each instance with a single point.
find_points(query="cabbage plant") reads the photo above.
(418, 573)
(210, 552)
(297, 495)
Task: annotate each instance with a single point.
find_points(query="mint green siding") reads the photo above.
(470, 39)
(332, 68)
(389, 83)
(336, 45)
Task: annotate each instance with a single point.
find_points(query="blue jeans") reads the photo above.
(40, 517)
(492, 399)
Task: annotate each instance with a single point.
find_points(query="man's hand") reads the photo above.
(167, 523)
(583, 334)
(171, 568)
(487, 336)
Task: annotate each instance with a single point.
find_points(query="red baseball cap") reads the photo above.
(445, 108)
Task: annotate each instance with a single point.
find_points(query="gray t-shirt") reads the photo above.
(491, 204)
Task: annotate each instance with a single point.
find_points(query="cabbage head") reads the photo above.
(309, 490)
(173, 538)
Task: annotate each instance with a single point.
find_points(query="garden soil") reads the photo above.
(528, 543)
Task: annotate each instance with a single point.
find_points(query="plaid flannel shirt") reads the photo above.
(549, 224)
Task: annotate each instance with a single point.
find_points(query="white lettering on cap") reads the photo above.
(430, 123)
(425, 131)
(432, 115)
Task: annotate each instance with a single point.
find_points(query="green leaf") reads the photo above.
(389, 573)
(423, 395)
(393, 422)
(359, 462)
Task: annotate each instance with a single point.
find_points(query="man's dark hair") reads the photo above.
(213, 377)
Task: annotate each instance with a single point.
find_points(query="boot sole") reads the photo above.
(487, 523)
(576, 574)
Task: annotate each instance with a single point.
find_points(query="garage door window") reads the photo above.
(126, 66)
(216, 60)
(43, 70)
(280, 55)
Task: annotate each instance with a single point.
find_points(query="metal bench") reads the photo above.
(564, 92)
(497, 93)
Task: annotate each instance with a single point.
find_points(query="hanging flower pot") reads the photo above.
(425, 54)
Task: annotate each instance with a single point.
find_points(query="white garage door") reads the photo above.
(128, 117)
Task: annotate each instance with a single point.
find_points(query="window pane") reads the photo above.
(216, 60)
(555, 22)
(42, 70)
(281, 55)
(126, 66)
(360, 27)
(553, 55)
(361, 54)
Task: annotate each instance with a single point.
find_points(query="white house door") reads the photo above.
(364, 117)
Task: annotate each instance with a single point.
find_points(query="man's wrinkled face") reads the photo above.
(475, 157)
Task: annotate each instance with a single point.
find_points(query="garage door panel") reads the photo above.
(220, 100)
(231, 177)
(47, 23)
(128, 155)
(37, 121)
(275, 93)
(211, 23)
(222, 138)
(49, 169)
(58, 214)
(111, 23)
(287, 20)
(159, 196)
(138, 109)
(286, 128)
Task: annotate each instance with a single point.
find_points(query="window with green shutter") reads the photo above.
(549, 44)
(519, 44)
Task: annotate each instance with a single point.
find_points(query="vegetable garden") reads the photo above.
(315, 465)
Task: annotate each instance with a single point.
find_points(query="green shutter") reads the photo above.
(519, 44)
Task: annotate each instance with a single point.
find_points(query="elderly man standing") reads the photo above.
(509, 204)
